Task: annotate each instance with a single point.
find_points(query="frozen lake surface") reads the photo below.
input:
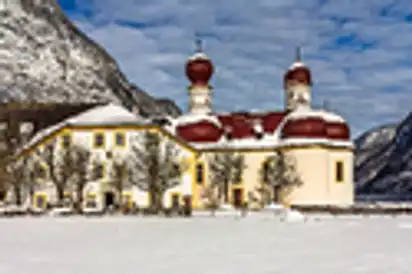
(223, 245)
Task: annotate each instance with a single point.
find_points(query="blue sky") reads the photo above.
(359, 51)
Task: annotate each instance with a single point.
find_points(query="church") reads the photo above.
(316, 143)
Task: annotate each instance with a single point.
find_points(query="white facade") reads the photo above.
(298, 95)
(200, 100)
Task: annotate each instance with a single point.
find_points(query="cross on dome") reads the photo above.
(198, 43)
(298, 54)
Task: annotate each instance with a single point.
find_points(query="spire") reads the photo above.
(198, 44)
(298, 54)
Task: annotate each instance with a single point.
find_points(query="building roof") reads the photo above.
(237, 130)
(110, 114)
(257, 130)
(106, 115)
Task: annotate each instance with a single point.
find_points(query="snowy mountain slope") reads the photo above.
(384, 160)
(44, 58)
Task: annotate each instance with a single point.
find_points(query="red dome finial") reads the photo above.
(298, 72)
(199, 68)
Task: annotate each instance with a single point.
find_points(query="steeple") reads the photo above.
(297, 83)
(199, 70)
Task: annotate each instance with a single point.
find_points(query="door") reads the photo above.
(175, 201)
(109, 199)
(237, 197)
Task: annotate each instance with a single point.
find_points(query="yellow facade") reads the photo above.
(315, 166)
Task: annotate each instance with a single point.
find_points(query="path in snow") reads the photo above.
(204, 245)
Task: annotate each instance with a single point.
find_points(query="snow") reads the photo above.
(222, 245)
(195, 118)
(109, 114)
(297, 65)
(268, 142)
(306, 111)
(104, 115)
(316, 141)
(199, 56)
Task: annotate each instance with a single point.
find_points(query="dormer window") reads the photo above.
(228, 133)
(258, 129)
(259, 135)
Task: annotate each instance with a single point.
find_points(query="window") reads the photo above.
(175, 200)
(42, 172)
(91, 201)
(266, 171)
(120, 139)
(66, 141)
(98, 171)
(199, 174)
(99, 140)
(339, 172)
(40, 200)
(237, 197)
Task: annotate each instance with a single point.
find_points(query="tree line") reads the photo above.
(277, 177)
(152, 164)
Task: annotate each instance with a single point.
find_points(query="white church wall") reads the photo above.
(312, 166)
(341, 191)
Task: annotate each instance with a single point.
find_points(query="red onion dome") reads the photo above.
(199, 71)
(338, 131)
(298, 73)
(310, 127)
(202, 131)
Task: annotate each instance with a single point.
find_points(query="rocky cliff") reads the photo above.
(44, 58)
(383, 166)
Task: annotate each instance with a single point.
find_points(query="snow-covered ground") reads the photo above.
(200, 245)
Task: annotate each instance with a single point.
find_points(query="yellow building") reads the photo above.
(316, 142)
(109, 133)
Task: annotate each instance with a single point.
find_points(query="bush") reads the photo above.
(186, 211)
(168, 212)
(148, 211)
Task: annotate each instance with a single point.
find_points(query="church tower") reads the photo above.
(199, 70)
(297, 84)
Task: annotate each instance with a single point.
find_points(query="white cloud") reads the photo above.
(252, 43)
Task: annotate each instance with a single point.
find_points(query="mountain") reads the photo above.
(383, 165)
(44, 58)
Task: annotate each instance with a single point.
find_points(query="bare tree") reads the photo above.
(59, 162)
(80, 159)
(225, 168)
(13, 170)
(210, 195)
(36, 170)
(279, 173)
(153, 167)
(18, 175)
(5, 179)
(118, 175)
